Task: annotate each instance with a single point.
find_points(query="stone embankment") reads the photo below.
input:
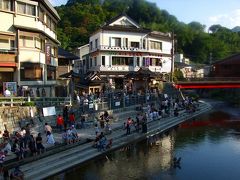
(64, 160)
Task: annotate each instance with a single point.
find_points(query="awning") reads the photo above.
(6, 69)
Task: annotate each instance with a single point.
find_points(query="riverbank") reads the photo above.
(64, 160)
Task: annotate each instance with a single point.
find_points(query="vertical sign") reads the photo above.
(48, 54)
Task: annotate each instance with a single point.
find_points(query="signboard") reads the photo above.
(90, 106)
(11, 86)
(117, 103)
(48, 53)
(49, 111)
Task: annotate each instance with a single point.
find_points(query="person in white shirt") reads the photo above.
(7, 93)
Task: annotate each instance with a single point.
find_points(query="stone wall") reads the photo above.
(12, 117)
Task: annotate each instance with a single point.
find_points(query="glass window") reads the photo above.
(90, 62)
(30, 72)
(123, 61)
(135, 44)
(96, 43)
(48, 21)
(38, 43)
(24, 8)
(26, 41)
(91, 45)
(103, 60)
(95, 61)
(156, 45)
(21, 8)
(30, 10)
(51, 73)
(116, 42)
(5, 5)
(41, 15)
(138, 61)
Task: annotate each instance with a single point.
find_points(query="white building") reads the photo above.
(28, 44)
(181, 59)
(80, 65)
(122, 46)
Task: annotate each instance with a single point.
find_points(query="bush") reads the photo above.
(31, 103)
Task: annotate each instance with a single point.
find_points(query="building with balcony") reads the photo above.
(28, 44)
(122, 46)
(64, 72)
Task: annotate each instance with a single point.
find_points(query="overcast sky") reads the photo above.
(207, 12)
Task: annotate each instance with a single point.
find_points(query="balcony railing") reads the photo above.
(130, 49)
(8, 51)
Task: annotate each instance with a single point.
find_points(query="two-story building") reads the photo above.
(122, 46)
(28, 44)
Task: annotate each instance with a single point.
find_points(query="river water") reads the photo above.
(209, 147)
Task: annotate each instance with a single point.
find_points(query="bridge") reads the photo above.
(208, 83)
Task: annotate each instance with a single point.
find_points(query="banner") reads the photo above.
(48, 54)
(49, 111)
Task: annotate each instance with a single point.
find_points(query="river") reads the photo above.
(209, 148)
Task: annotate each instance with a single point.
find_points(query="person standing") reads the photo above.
(60, 122)
(7, 93)
(38, 92)
(47, 128)
(72, 119)
(129, 123)
(40, 147)
(65, 116)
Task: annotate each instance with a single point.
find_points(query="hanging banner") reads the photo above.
(48, 54)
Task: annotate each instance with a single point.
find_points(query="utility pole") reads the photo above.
(172, 56)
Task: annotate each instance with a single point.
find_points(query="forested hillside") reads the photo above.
(80, 18)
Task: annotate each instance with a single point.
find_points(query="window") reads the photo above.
(96, 43)
(54, 51)
(41, 15)
(125, 42)
(90, 62)
(156, 45)
(124, 61)
(51, 73)
(37, 43)
(103, 60)
(156, 62)
(26, 41)
(116, 42)
(95, 61)
(24, 8)
(48, 22)
(138, 61)
(6, 5)
(135, 44)
(91, 46)
(30, 72)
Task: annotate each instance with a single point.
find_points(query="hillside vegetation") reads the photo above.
(80, 18)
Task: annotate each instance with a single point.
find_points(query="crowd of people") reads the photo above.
(23, 143)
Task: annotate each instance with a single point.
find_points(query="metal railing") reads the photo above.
(210, 79)
(38, 101)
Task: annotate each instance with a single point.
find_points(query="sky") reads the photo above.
(207, 12)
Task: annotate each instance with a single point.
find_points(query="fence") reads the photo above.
(38, 101)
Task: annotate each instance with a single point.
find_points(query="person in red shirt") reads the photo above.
(60, 122)
(72, 119)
